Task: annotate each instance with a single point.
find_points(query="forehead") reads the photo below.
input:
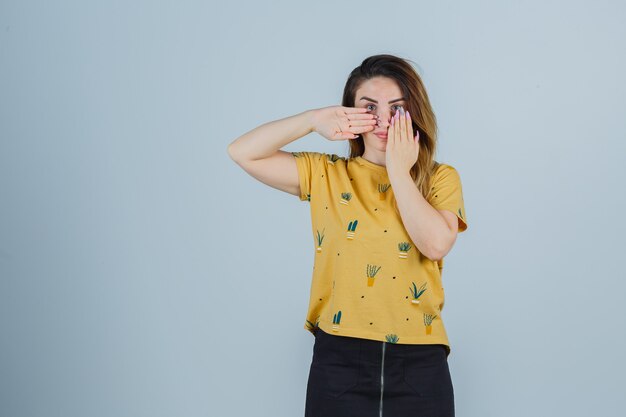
(379, 88)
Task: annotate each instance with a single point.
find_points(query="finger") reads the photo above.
(391, 139)
(359, 116)
(402, 117)
(355, 110)
(345, 135)
(396, 126)
(359, 129)
(363, 122)
(409, 126)
(393, 132)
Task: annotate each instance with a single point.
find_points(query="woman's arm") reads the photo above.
(265, 140)
(258, 151)
(430, 229)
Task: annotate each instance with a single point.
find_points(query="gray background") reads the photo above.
(143, 273)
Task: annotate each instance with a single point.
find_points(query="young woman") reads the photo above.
(383, 219)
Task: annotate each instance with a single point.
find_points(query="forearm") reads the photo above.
(424, 224)
(266, 139)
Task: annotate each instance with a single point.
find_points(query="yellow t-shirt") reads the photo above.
(369, 280)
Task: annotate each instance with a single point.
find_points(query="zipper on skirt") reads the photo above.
(382, 382)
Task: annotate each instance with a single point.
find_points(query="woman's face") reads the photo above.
(381, 96)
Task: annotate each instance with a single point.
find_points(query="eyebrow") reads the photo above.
(392, 101)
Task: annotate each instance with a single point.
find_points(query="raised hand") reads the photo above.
(402, 147)
(341, 123)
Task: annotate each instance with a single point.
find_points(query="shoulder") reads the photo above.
(328, 158)
(307, 154)
(443, 175)
(442, 171)
(442, 167)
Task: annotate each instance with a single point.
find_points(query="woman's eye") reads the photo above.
(371, 105)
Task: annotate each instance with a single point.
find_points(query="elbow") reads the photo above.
(231, 152)
(440, 249)
(435, 257)
(432, 252)
(438, 246)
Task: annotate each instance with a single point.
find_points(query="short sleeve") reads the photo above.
(447, 193)
(308, 164)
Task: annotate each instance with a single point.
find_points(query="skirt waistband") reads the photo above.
(370, 350)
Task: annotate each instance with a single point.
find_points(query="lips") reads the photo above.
(382, 135)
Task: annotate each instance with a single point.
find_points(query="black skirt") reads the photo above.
(352, 376)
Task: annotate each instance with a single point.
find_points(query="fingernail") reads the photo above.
(408, 116)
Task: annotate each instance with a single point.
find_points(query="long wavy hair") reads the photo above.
(417, 103)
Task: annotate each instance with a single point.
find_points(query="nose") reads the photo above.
(384, 120)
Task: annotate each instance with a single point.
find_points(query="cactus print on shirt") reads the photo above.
(369, 279)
